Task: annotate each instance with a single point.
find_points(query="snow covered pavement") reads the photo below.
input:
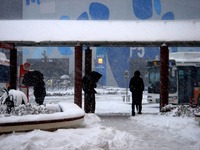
(112, 128)
(148, 137)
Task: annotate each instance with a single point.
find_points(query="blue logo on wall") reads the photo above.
(32, 1)
(143, 9)
(99, 11)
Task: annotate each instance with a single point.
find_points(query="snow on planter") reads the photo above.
(70, 116)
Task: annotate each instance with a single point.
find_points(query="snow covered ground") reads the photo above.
(112, 127)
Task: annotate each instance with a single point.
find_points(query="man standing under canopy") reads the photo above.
(89, 84)
(136, 86)
(35, 78)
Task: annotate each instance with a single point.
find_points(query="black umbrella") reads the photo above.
(94, 76)
(32, 78)
(90, 80)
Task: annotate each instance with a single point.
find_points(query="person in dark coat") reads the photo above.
(39, 92)
(89, 84)
(35, 79)
(136, 86)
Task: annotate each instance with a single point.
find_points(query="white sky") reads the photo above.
(142, 132)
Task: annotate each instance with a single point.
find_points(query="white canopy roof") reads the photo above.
(100, 33)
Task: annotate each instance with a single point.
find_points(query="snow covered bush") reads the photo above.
(28, 109)
(180, 110)
(167, 108)
(186, 111)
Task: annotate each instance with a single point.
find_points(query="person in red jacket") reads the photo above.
(136, 87)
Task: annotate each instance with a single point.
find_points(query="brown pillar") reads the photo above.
(88, 66)
(164, 67)
(13, 68)
(78, 76)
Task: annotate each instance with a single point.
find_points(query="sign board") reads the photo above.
(126, 74)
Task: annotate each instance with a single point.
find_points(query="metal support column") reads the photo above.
(164, 71)
(88, 66)
(13, 68)
(78, 76)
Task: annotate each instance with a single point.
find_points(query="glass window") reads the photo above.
(154, 80)
(172, 82)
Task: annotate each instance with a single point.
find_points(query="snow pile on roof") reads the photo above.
(99, 31)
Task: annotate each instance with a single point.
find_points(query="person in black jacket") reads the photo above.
(89, 94)
(89, 86)
(136, 86)
(89, 83)
(35, 78)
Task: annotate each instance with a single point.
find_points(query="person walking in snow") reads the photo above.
(136, 87)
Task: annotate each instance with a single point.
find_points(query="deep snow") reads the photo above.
(112, 127)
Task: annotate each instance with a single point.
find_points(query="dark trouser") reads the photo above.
(89, 102)
(137, 101)
(39, 100)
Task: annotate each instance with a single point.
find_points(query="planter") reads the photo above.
(70, 116)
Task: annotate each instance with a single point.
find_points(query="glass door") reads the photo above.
(186, 79)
